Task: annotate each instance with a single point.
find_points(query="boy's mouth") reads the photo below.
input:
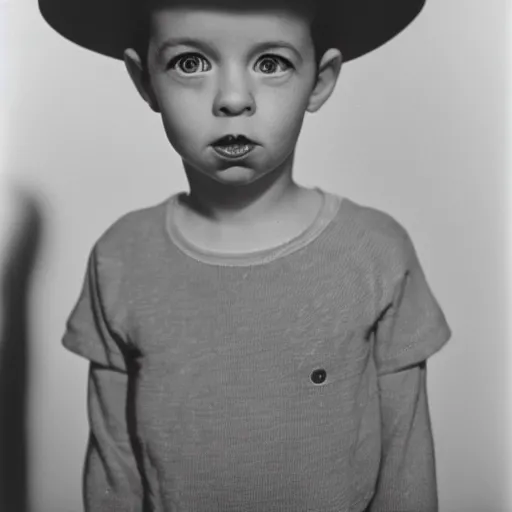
(231, 146)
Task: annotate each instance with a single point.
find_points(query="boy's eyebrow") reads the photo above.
(181, 41)
(278, 44)
(201, 45)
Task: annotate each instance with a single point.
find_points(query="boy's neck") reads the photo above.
(241, 206)
(249, 220)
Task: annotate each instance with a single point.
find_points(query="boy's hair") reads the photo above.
(320, 37)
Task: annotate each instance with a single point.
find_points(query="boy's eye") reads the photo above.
(268, 63)
(188, 63)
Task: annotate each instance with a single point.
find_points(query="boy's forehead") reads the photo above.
(202, 19)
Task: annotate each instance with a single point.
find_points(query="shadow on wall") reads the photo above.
(16, 279)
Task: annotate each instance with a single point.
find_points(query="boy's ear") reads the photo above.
(135, 69)
(327, 76)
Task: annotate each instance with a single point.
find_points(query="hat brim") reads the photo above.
(357, 27)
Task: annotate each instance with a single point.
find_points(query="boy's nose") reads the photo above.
(234, 98)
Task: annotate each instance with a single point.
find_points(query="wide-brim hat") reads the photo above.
(107, 27)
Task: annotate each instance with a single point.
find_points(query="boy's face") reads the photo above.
(214, 72)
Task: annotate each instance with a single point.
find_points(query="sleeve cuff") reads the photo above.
(93, 352)
(429, 344)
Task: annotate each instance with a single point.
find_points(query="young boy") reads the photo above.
(253, 345)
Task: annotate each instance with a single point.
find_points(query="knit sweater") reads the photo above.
(287, 380)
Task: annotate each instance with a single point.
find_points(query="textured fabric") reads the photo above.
(286, 380)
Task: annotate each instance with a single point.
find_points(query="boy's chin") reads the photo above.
(235, 175)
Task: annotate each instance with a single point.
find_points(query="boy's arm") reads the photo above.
(407, 477)
(112, 481)
(411, 329)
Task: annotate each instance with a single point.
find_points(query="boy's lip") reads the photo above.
(233, 140)
(234, 152)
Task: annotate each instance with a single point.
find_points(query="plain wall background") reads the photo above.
(417, 129)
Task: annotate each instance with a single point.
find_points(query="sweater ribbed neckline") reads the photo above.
(328, 210)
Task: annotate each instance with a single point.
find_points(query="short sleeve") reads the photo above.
(413, 327)
(88, 331)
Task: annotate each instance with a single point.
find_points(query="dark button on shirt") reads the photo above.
(318, 376)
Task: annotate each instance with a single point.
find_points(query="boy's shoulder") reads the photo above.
(376, 222)
(377, 233)
(136, 229)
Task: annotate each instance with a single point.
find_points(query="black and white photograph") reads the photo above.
(255, 256)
